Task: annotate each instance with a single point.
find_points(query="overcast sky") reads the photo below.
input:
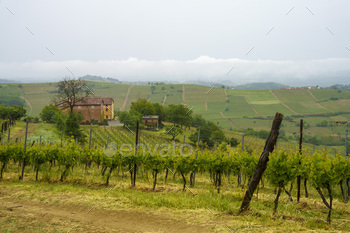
(272, 40)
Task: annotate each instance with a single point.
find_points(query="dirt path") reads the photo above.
(282, 102)
(319, 105)
(164, 99)
(20, 134)
(226, 95)
(183, 95)
(126, 98)
(29, 104)
(229, 120)
(312, 94)
(46, 217)
(251, 106)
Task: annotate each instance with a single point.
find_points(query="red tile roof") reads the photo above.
(95, 101)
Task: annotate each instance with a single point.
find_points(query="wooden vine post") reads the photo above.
(262, 164)
(346, 156)
(193, 180)
(300, 151)
(24, 152)
(135, 165)
(8, 135)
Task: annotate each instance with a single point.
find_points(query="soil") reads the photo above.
(29, 215)
(126, 98)
(20, 134)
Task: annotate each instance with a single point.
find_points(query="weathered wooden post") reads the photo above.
(8, 136)
(90, 133)
(346, 156)
(133, 181)
(194, 172)
(262, 164)
(24, 150)
(300, 151)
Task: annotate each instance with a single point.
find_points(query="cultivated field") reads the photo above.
(230, 109)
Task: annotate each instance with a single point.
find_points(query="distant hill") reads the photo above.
(10, 94)
(260, 86)
(218, 84)
(342, 87)
(7, 81)
(100, 79)
(230, 84)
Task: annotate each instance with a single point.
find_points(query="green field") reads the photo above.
(230, 108)
(326, 94)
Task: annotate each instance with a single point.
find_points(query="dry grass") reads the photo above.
(206, 208)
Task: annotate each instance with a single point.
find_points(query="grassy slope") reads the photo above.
(137, 92)
(237, 105)
(38, 94)
(118, 92)
(300, 101)
(264, 103)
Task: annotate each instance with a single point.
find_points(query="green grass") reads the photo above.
(271, 109)
(48, 133)
(174, 94)
(337, 105)
(262, 100)
(118, 92)
(300, 101)
(195, 94)
(39, 95)
(206, 206)
(238, 107)
(11, 94)
(137, 92)
(158, 95)
(255, 96)
(326, 94)
(209, 102)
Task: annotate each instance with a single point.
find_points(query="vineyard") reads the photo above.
(118, 136)
(46, 133)
(163, 173)
(218, 170)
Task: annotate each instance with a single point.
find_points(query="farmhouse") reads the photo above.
(94, 108)
(151, 121)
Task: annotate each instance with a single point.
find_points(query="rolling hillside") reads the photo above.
(229, 108)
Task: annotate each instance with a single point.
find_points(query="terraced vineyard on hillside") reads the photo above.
(230, 109)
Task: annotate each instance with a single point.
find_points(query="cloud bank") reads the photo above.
(309, 72)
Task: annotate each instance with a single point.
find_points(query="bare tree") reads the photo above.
(71, 91)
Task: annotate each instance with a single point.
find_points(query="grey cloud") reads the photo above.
(323, 71)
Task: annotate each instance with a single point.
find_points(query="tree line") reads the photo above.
(9, 115)
(181, 118)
